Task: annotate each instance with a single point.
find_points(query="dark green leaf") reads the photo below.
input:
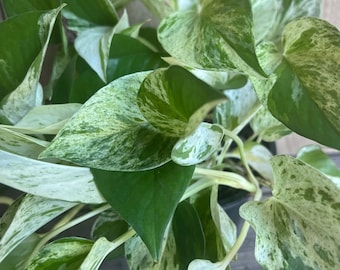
(110, 133)
(212, 35)
(188, 232)
(175, 101)
(66, 253)
(89, 13)
(306, 94)
(146, 199)
(129, 55)
(16, 7)
(297, 228)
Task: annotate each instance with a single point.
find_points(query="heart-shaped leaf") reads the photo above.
(175, 101)
(199, 146)
(306, 94)
(146, 199)
(67, 253)
(52, 181)
(297, 228)
(214, 36)
(110, 133)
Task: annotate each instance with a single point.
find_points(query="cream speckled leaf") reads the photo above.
(21, 144)
(65, 253)
(45, 119)
(199, 146)
(306, 94)
(175, 101)
(29, 93)
(32, 213)
(110, 133)
(270, 17)
(49, 180)
(297, 228)
(214, 36)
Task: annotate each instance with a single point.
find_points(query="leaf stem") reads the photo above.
(240, 145)
(6, 200)
(227, 178)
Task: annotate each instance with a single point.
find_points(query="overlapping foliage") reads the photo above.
(140, 127)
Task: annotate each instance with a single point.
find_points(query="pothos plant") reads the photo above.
(138, 127)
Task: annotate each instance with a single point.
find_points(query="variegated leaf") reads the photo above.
(45, 119)
(28, 94)
(65, 253)
(309, 104)
(270, 17)
(31, 213)
(297, 228)
(214, 36)
(198, 146)
(314, 156)
(175, 101)
(21, 144)
(110, 133)
(52, 181)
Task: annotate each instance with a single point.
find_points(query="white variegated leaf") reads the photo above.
(110, 133)
(32, 213)
(45, 119)
(297, 228)
(20, 144)
(199, 146)
(65, 253)
(52, 181)
(217, 37)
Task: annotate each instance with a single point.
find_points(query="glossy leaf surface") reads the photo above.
(31, 213)
(146, 199)
(199, 146)
(110, 133)
(299, 226)
(176, 102)
(214, 35)
(65, 253)
(189, 235)
(52, 181)
(311, 64)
